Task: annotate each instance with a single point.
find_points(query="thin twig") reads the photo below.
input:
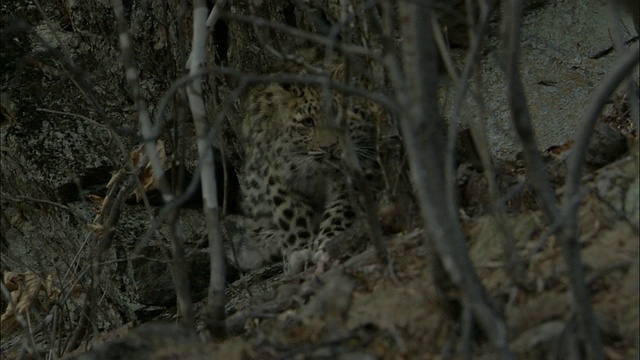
(354, 170)
(520, 112)
(247, 79)
(261, 22)
(21, 198)
(479, 134)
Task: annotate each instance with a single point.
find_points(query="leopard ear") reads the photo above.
(274, 93)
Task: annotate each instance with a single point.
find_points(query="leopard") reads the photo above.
(295, 193)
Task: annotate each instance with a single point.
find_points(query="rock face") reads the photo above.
(68, 121)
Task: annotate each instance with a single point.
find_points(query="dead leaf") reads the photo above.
(99, 200)
(148, 177)
(26, 288)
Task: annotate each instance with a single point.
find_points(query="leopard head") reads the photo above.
(314, 136)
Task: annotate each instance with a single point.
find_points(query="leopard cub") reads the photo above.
(294, 192)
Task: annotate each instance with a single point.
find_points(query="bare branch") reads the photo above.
(520, 112)
(602, 94)
(215, 14)
(621, 49)
(425, 137)
(522, 121)
(461, 91)
(214, 313)
(570, 236)
(126, 46)
(178, 265)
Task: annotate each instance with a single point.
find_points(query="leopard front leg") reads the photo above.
(337, 217)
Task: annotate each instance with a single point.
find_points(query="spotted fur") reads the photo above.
(294, 192)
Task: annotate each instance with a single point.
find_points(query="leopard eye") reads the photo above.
(308, 122)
